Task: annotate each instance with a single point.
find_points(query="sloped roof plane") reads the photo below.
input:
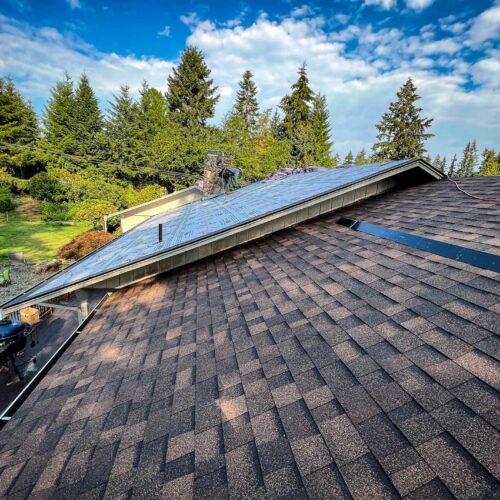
(318, 362)
(190, 226)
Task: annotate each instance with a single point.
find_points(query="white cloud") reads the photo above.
(37, 58)
(358, 84)
(342, 18)
(486, 26)
(487, 72)
(302, 11)
(165, 31)
(384, 4)
(74, 4)
(419, 4)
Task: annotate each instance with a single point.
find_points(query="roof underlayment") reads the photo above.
(190, 226)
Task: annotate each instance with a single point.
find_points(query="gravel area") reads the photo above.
(22, 277)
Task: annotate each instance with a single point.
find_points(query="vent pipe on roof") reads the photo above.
(160, 233)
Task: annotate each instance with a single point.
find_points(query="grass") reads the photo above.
(26, 232)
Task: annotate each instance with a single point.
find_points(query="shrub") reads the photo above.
(83, 244)
(15, 184)
(54, 212)
(6, 200)
(146, 194)
(93, 211)
(44, 187)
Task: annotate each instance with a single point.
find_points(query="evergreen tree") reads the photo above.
(490, 164)
(361, 158)
(154, 111)
(402, 131)
(297, 106)
(153, 120)
(18, 131)
(89, 119)
(349, 159)
(442, 165)
(123, 128)
(60, 118)
(246, 106)
(437, 161)
(453, 166)
(275, 124)
(321, 131)
(336, 160)
(191, 94)
(468, 163)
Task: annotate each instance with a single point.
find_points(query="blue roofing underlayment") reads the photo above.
(203, 218)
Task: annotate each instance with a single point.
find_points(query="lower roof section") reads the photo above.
(202, 228)
(317, 362)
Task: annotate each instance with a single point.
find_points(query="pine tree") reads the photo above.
(60, 118)
(490, 164)
(402, 131)
(453, 166)
(321, 131)
(361, 158)
(336, 160)
(89, 120)
(468, 163)
(123, 128)
(18, 130)
(246, 106)
(297, 106)
(349, 159)
(191, 94)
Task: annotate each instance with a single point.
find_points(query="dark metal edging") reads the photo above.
(23, 395)
(476, 258)
(13, 301)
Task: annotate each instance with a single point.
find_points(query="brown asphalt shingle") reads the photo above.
(318, 362)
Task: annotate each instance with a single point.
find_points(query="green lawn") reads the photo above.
(25, 232)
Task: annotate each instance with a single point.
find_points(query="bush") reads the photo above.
(15, 184)
(93, 211)
(44, 187)
(6, 200)
(146, 194)
(53, 212)
(83, 244)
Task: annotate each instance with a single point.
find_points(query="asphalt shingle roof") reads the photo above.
(318, 361)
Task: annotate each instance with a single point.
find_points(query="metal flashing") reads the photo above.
(476, 258)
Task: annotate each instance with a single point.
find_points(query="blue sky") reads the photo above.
(358, 53)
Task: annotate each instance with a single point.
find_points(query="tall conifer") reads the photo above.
(60, 118)
(191, 93)
(246, 106)
(321, 131)
(361, 158)
(89, 119)
(402, 131)
(18, 130)
(297, 106)
(123, 128)
(468, 163)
